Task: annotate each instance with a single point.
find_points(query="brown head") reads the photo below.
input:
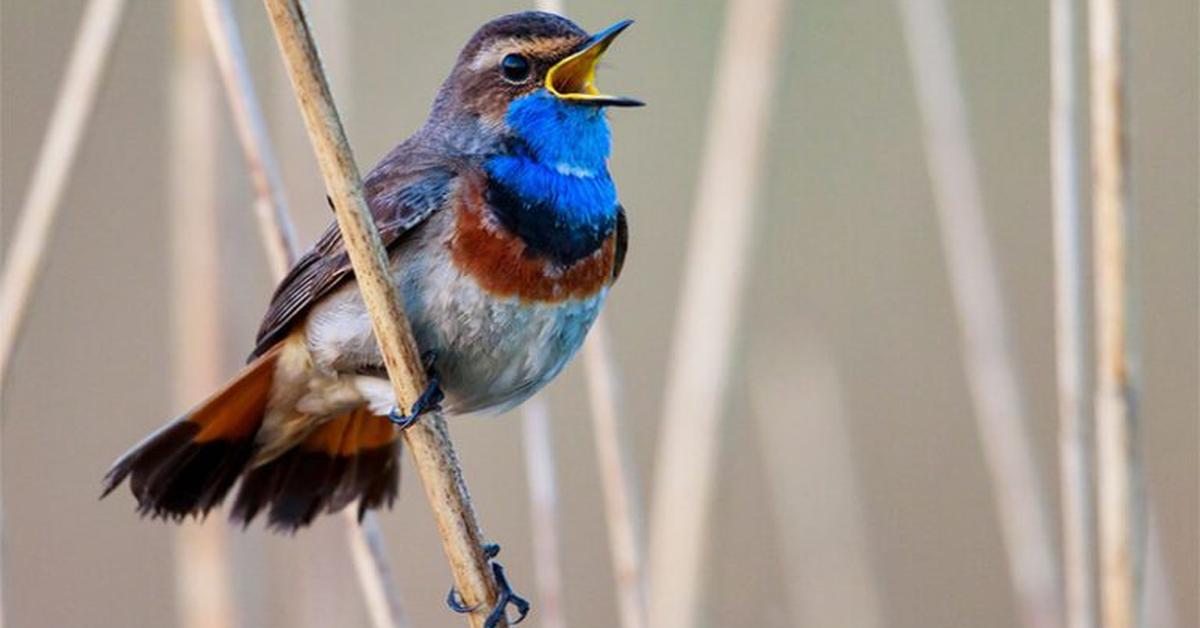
(518, 54)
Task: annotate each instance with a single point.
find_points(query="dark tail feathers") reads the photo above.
(188, 466)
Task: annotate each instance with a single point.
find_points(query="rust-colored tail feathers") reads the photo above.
(188, 466)
(355, 456)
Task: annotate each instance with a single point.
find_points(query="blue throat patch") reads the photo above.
(551, 186)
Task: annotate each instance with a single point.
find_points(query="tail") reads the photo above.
(355, 456)
(189, 466)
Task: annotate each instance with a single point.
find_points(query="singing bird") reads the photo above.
(505, 236)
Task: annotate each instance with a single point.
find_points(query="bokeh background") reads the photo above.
(848, 349)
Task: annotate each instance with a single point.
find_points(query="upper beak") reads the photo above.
(574, 78)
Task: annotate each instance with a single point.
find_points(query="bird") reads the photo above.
(504, 234)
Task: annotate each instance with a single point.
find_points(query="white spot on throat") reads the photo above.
(574, 171)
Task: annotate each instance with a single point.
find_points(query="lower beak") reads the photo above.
(574, 78)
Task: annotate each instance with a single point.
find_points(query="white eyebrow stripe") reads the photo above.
(496, 50)
(492, 54)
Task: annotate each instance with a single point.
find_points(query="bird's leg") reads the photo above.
(504, 597)
(429, 400)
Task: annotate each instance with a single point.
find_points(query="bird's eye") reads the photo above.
(514, 68)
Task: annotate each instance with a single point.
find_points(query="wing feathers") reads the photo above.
(402, 192)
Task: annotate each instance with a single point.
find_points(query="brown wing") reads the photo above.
(622, 244)
(402, 191)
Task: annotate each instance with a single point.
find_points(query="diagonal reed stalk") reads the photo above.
(270, 204)
(1121, 500)
(702, 348)
(1075, 420)
(990, 366)
(72, 110)
(203, 574)
(27, 249)
(428, 440)
(367, 548)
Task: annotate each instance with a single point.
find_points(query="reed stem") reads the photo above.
(1075, 420)
(543, 501)
(367, 548)
(622, 507)
(1120, 496)
(203, 575)
(271, 208)
(27, 249)
(72, 110)
(974, 281)
(718, 253)
(428, 440)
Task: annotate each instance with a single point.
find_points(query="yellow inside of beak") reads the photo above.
(574, 78)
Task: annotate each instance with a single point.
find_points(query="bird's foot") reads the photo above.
(504, 597)
(429, 400)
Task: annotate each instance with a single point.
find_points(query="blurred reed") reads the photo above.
(974, 281)
(543, 516)
(701, 359)
(803, 429)
(1160, 611)
(72, 109)
(622, 507)
(367, 548)
(203, 575)
(1075, 419)
(428, 440)
(1121, 498)
(270, 202)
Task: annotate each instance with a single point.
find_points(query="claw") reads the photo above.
(429, 400)
(504, 597)
(456, 603)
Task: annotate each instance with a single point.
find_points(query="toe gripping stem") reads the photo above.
(504, 597)
(429, 400)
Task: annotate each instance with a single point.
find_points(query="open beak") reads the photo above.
(574, 78)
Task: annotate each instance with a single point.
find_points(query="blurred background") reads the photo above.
(851, 488)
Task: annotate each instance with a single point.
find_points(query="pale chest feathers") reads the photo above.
(499, 334)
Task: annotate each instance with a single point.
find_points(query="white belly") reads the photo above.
(491, 353)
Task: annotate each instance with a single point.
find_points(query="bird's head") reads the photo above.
(517, 60)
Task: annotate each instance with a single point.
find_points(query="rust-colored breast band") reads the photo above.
(502, 264)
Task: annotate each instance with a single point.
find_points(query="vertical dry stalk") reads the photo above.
(991, 368)
(275, 226)
(1075, 422)
(621, 503)
(1121, 503)
(543, 497)
(72, 109)
(202, 572)
(428, 440)
(707, 320)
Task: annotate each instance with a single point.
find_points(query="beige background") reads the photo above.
(847, 275)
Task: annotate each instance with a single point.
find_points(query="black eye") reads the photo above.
(514, 68)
